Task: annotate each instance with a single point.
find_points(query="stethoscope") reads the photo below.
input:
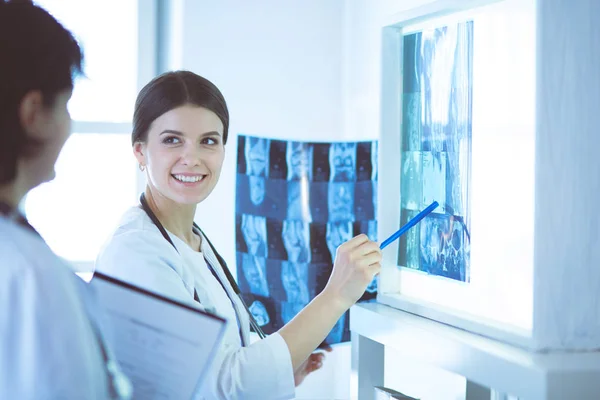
(232, 282)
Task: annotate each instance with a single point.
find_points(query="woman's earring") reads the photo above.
(142, 167)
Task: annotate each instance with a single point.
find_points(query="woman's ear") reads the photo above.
(139, 151)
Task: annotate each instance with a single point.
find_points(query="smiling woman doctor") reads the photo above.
(180, 128)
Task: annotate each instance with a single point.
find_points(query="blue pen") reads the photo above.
(409, 225)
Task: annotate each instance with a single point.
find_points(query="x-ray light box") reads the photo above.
(458, 127)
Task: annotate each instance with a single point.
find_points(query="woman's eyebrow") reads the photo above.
(172, 132)
(179, 133)
(211, 133)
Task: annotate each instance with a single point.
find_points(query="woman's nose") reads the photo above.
(191, 156)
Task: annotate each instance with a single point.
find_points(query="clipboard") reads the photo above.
(165, 347)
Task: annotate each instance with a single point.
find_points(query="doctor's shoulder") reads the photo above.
(136, 239)
(137, 253)
(27, 257)
(22, 249)
(43, 301)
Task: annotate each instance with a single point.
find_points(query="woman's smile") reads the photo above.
(189, 180)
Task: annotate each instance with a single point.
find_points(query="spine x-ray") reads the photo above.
(436, 149)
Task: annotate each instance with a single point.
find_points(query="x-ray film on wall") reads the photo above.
(436, 149)
(296, 203)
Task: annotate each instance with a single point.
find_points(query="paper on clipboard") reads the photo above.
(163, 346)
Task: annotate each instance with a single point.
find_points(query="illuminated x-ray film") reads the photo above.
(436, 149)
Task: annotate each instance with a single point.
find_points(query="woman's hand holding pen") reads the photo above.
(357, 261)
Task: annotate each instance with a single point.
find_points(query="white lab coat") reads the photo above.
(51, 333)
(139, 254)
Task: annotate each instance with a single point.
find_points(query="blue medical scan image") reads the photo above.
(318, 244)
(254, 229)
(412, 114)
(257, 156)
(340, 201)
(436, 149)
(259, 312)
(319, 203)
(374, 161)
(321, 164)
(409, 255)
(266, 311)
(412, 180)
(434, 231)
(342, 160)
(257, 189)
(299, 158)
(277, 159)
(294, 277)
(254, 270)
(296, 239)
(371, 230)
(365, 167)
(443, 246)
(298, 205)
(434, 178)
(296, 202)
(276, 248)
(364, 193)
(261, 196)
(338, 232)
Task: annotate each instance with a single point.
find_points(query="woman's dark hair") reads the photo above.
(37, 53)
(172, 90)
